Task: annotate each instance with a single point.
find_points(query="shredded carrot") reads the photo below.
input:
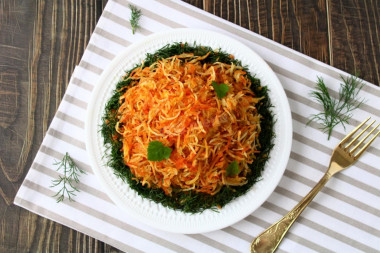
(173, 101)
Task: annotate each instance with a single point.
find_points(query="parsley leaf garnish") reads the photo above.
(221, 89)
(158, 152)
(232, 169)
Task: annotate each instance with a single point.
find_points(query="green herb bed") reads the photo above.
(188, 201)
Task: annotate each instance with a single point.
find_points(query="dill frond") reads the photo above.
(68, 181)
(336, 111)
(135, 17)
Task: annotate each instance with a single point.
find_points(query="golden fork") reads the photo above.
(342, 157)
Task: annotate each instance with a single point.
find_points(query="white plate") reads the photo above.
(155, 214)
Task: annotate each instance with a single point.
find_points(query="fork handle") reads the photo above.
(269, 240)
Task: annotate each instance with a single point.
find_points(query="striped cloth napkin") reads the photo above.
(344, 217)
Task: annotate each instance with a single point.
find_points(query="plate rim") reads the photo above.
(89, 131)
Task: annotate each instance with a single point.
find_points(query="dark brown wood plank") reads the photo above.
(354, 31)
(40, 44)
(298, 24)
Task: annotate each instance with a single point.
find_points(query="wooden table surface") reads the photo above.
(41, 42)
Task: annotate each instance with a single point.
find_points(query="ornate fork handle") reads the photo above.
(269, 240)
(342, 157)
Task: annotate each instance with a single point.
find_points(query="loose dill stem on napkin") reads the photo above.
(70, 178)
(188, 201)
(336, 111)
(135, 17)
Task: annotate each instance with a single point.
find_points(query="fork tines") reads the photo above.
(351, 143)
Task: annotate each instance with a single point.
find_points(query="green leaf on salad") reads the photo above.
(158, 152)
(232, 169)
(221, 89)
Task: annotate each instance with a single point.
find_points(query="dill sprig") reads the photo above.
(135, 17)
(336, 111)
(69, 179)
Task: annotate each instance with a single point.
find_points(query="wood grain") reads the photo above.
(40, 44)
(354, 31)
(42, 41)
